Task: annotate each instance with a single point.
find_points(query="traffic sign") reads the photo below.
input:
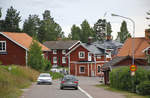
(133, 67)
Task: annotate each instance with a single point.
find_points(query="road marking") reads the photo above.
(84, 92)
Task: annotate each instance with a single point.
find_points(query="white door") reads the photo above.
(89, 56)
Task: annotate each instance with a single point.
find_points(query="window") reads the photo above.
(98, 56)
(54, 51)
(108, 55)
(63, 51)
(2, 46)
(54, 59)
(98, 68)
(63, 59)
(81, 54)
(82, 69)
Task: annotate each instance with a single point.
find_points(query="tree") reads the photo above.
(75, 32)
(12, 20)
(109, 30)
(49, 29)
(35, 56)
(0, 12)
(100, 29)
(31, 25)
(148, 18)
(123, 34)
(2, 22)
(86, 31)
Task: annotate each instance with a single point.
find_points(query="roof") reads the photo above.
(140, 43)
(115, 60)
(22, 39)
(98, 48)
(61, 44)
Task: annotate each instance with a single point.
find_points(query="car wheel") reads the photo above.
(61, 88)
(50, 83)
(76, 88)
(38, 83)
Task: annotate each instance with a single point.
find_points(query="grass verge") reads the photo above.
(12, 81)
(125, 93)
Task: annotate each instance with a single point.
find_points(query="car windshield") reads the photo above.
(69, 78)
(44, 75)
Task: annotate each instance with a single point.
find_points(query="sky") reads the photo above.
(69, 12)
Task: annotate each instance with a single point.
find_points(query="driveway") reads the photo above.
(88, 84)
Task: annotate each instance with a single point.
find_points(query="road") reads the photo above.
(51, 91)
(87, 85)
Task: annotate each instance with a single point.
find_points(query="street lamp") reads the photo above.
(132, 35)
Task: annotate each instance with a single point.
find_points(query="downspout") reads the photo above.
(69, 63)
(95, 64)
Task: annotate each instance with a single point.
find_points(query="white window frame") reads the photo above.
(98, 56)
(63, 51)
(80, 69)
(97, 68)
(55, 59)
(80, 54)
(55, 51)
(3, 50)
(63, 60)
(108, 55)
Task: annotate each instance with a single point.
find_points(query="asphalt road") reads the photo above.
(51, 91)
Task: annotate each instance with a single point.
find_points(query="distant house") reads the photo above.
(87, 59)
(14, 48)
(125, 55)
(59, 49)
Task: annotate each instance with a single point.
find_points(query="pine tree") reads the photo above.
(86, 31)
(75, 32)
(12, 20)
(31, 25)
(123, 34)
(100, 29)
(49, 29)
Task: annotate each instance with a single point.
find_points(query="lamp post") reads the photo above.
(132, 73)
(132, 35)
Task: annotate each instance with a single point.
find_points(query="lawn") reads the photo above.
(125, 93)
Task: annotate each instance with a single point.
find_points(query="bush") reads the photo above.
(120, 78)
(144, 88)
(56, 75)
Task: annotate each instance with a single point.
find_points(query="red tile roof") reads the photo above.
(23, 39)
(140, 43)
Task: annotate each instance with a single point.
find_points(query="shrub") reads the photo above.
(144, 88)
(120, 78)
(56, 75)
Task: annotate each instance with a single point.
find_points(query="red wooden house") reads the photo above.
(124, 56)
(87, 59)
(14, 48)
(59, 49)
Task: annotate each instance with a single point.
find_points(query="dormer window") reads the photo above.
(81, 54)
(2, 46)
(54, 51)
(63, 51)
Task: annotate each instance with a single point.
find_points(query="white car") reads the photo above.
(44, 78)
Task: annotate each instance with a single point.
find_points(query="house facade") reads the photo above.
(125, 55)
(87, 59)
(14, 48)
(59, 49)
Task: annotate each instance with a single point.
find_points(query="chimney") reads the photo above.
(90, 40)
(147, 35)
(108, 37)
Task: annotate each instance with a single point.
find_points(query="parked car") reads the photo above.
(44, 78)
(69, 81)
(55, 69)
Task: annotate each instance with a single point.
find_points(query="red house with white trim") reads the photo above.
(14, 48)
(87, 59)
(59, 49)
